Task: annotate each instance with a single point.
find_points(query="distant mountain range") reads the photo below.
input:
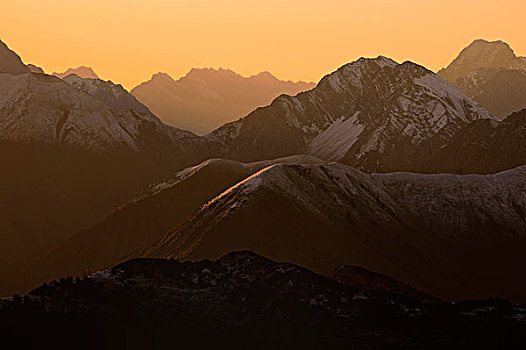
(82, 72)
(205, 99)
(491, 74)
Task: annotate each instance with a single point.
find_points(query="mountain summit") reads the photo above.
(82, 71)
(374, 114)
(482, 54)
(206, 98)
(491, 74)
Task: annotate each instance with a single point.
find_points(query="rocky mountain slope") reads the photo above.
(137, 223)
(10, 62)
(483, 147)
(205, 99)
(448, 235)
(500, 91)
(374, 114)
(244, 300)
(82, 71)
(35, 69)
(491, 74)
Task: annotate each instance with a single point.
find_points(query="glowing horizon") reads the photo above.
(127, 41)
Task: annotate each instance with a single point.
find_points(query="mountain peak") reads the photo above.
(265, 75)
(482, 54)
(161, 76)
(10, 62)
(82, 72)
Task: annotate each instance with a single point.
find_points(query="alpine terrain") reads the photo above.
(137, 223)
(374, 114)
(451, 236)
(491, 74)
(204, 99)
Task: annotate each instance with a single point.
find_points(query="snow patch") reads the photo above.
(334, 142)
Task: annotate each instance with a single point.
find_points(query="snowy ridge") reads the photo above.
(87, 114)
(364, 114)
(436, 232)
(451, 204)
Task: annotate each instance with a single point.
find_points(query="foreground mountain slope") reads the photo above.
(373, 113)
(139, 222)
(72, 155)
(491, 74)
(244, 301)
(205, 99)
(447, 235)
(484, 147)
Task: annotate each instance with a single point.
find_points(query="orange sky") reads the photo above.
(128, 40)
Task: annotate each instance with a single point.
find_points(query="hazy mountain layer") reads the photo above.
(205, 99)
(482, 54)
(244, 301)
(82, 71)
(448, 235)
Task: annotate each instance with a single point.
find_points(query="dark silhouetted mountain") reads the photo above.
(138, 223)
(244, 301)
(491, 74)
(374, 114)
(82, 71)
(451, 236)
(10, 62)
(205, 99)
(358, 277)
(484, 147)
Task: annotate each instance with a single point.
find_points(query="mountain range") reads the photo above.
(95, 178)
(491, 74)
(374, 114)
(205, 99)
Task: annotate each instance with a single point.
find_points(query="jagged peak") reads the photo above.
(487, 43)
(81, 71)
